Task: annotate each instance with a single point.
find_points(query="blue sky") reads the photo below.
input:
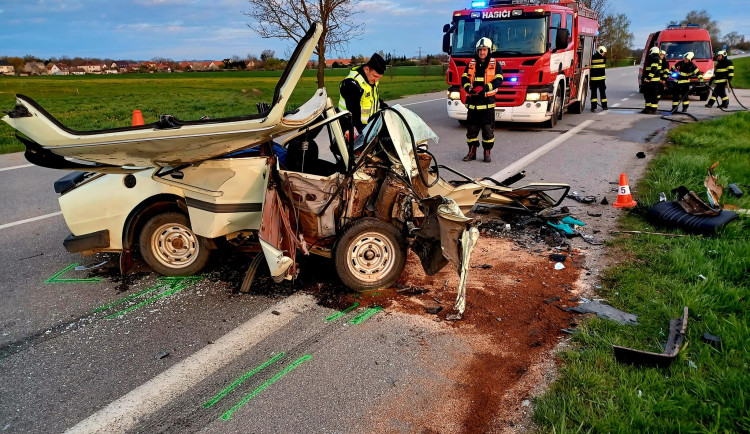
(216, 29)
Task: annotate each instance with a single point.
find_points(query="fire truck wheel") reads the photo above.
(371, 254)
(557, 110)
(170, 247)
(578, 106)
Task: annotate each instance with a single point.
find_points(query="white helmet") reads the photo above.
(653, 50)
(722, 53)
(689, 55)
(663, 53)
(484, 43)
(602, 49)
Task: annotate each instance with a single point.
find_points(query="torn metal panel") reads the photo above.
(402, 139)
(364, 185)
(277, 239)
(677, 329)
(427, 243)
(468, 241)
(308, 194)
(606, 311)
(389, 193)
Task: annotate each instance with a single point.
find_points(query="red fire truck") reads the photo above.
(543, 46)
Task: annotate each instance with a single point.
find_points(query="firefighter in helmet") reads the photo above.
(359, 91)
(652, 77)
(481, 80)
(685, 70)
(598, 77)
(723, 75)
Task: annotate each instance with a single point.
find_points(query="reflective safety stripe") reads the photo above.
(479, 107)
(492, 140)
(370, 100)
(604, 100)
(475, 139)
(476, 79)
(594, 100)
(597, 78)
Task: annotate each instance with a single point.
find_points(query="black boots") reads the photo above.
(472, 155)
(711, 104)
(487, 158)
(725, 104)
(684, 109)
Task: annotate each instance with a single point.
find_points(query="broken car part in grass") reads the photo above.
(177, 190)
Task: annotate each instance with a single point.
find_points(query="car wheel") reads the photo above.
(171, 248)
(557, 104)
(370, 254)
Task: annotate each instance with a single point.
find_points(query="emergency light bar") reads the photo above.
(478, 4)
(513, 2)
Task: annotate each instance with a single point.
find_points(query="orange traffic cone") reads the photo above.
(624, 199)
(137, 118)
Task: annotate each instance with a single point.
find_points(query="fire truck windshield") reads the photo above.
(511, 38)
(677, 49)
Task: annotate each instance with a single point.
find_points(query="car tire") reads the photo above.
(370, 254)
(557, 108)
(170, 247)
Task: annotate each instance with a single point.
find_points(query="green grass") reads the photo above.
(705, 389)
(95, 102)
(741, 73)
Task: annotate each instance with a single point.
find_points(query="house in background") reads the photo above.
(6, 68)
(338, 62)
(34, 68)
(77, 70)
(91, 68)
(57, 69)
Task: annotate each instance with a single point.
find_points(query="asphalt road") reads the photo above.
(72, 356)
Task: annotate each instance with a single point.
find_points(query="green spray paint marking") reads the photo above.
(228, 414)
(343, 312)
(362, 317)
(128, 298)
(239, 381)
(54, 279)
(176, 284)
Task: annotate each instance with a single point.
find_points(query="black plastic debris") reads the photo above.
(677, 329)
(161, 355)
(557, 257)
(735, 190)
(604, 202)
(641, 155)
(712, 340)
(434, 309)
(552, 300)
(606, 311)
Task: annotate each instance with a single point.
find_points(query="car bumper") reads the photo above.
(94, 241)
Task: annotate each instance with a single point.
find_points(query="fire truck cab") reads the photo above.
(543, 46)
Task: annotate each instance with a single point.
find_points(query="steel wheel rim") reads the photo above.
(371, 257)
(174, 245)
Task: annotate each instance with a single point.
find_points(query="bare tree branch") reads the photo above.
(290, 19)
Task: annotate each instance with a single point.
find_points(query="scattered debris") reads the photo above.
(677, 328)
(735, 190)
(641, 155)
(483, 266)
(662, 197)
(712, 340)
(559, 266)
(692, 364)
(557, 257)
(161, 355)
(453, 317)
(434, 310)
(276, 312)
(569, 331)
(582, 199)
(594, 214)
(702, 277)
(604, 202)
(571, 221)
(551, 300)
(606, 311)
(525, 403)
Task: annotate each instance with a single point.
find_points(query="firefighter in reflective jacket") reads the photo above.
(481, 79)
(359, 91)
(598, 77)
(652, 77)
(664, 74)
(723, 75)
(685, 70)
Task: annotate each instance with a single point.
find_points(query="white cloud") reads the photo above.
(388, 7)
(174, 27)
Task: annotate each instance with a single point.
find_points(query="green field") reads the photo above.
(94, 102)
(741, 73)
(706, 389)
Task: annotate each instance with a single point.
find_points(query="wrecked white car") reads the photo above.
(175, 190)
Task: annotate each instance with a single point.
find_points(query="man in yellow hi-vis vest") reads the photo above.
(359, 91)
(480, 81)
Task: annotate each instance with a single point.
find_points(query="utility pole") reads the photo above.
(420, 53)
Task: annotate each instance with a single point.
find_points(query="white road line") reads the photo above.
(625, 99)
(422, 102)
(15, 167)
(616, 104)
(632, 94)
(534, 155)
(32, 219)
(124, 413)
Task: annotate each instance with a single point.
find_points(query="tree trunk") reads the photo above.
(321, 63)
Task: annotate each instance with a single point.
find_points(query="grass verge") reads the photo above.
(94, 102)
(741, 73)
(706, 389)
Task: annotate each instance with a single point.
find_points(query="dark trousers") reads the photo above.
(680, 91)
(651, 94)
(720, 92)
(483, 120)
(601, 87)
